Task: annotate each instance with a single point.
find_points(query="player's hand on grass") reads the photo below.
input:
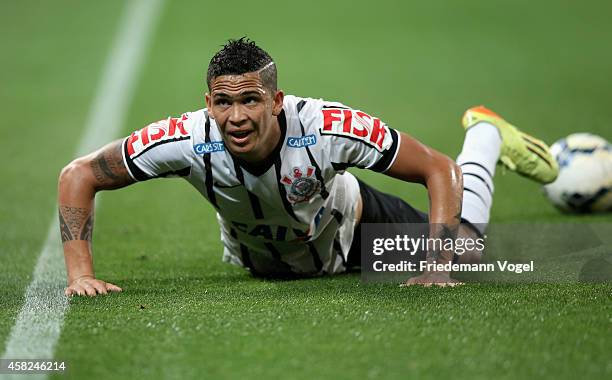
(432, 278)
(89, 286)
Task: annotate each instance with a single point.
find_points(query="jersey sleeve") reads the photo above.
(161, 149)
(355, 138)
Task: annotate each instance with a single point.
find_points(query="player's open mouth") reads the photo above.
(240, 137)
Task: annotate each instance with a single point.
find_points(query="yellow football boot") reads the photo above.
(520, 152)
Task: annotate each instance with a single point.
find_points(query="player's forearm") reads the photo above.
(445, 188)
(78, 184)
(79, 261)
(416, 162)
(76, 194)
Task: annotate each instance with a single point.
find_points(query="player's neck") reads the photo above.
(259, 164)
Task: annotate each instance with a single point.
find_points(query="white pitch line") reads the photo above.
(39, 323)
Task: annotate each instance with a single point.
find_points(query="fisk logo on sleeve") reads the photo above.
(354, 124)
(155, 134)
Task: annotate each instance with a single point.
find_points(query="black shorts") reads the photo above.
(379, 207)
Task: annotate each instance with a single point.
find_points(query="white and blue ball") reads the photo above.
(584, 183)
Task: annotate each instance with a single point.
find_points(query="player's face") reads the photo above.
(245, 111)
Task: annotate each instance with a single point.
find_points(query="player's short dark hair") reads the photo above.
(239, 57)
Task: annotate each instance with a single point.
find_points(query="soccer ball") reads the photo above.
(585, 174)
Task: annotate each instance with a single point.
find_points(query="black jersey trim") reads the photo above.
(246, 258)
(276, 255)
(337, 215)
(162, 142)
(341, 166)
(301, 105)
(282, 191)
(220, 186)
(256, 206)
(134, 170)
(208, 179)
(313, 162)
(244, 252)
(184, 172)
(335, 107)
(316, 259)
(273, 251)
(357, 139)
(253, 200)
(388, 156)
(338, 250)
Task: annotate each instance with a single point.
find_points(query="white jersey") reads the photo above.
(296, 214)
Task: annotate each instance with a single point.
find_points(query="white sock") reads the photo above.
(477, 160)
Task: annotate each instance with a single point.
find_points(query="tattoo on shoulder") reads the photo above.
(76, 223)
(109, 169)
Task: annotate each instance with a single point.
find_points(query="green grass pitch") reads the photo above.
(418, 65)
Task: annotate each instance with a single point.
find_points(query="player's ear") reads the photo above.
(277, 107)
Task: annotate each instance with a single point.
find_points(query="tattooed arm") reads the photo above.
(416, 162)
(78, 183)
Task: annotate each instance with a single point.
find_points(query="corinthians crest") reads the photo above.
(302, 185)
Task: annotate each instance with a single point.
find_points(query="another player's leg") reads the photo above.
(489, 139)
(519, 152)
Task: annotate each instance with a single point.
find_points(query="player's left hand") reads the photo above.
(90, 286)
(432, 278)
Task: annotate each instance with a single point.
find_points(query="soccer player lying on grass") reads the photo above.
(273, 166)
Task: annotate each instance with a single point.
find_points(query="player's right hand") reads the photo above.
(89, 286)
